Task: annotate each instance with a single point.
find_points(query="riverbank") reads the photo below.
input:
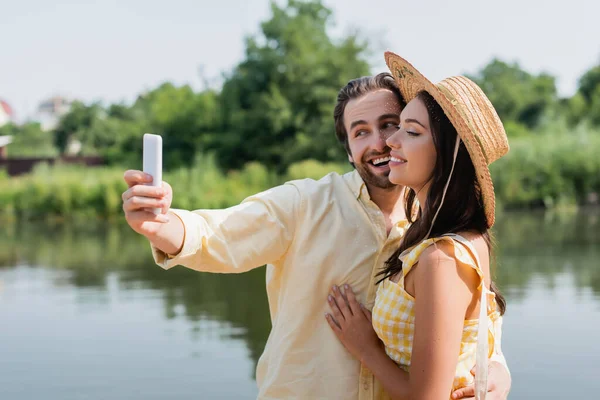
(558, 171)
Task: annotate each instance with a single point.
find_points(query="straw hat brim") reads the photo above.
(411, 82)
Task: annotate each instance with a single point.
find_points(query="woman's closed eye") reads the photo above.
(409, 131)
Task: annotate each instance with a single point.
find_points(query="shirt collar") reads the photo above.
(359, 188)
(357, 185)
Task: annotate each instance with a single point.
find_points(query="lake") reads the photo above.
(86, 314)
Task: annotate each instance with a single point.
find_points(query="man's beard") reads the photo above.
(369, 177)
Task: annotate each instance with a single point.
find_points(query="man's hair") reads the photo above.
(357, 88)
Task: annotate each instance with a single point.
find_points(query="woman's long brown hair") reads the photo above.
(462, 209)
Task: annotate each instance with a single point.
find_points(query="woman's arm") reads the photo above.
(443, 292)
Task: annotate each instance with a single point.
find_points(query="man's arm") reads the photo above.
(236, 239)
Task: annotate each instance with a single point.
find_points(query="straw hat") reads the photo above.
(470, 112)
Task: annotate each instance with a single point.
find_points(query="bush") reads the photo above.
(553, 169)
(549, 170)
(315, 169)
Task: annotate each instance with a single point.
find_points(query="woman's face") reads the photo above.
(413, 153)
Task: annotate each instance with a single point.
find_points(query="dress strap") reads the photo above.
(410, 256)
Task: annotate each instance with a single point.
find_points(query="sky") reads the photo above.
(111, 50)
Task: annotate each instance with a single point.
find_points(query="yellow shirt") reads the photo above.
(311, 234)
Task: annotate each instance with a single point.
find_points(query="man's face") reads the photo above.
(369, 121)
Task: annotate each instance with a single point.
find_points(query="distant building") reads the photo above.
(6, 113)
(4, 141)
(49, 111)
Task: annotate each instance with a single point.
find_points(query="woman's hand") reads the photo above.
(351, 323)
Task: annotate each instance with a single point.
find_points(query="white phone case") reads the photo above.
(152, 160)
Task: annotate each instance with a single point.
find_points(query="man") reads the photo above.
(312, 235)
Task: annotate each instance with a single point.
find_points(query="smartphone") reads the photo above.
(152, 160)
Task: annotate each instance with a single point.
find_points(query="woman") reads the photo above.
(435, 312)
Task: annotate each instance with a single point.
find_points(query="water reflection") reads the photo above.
(544, 262)
(528, 244)
(90, 254)
(547, 245)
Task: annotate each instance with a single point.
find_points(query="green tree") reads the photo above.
(73, 124)
(574, 108)
(29, 140)
(589, 90)
(114, 139)
(589, 83)
(517, 95)
(184, 118)
(277, 104)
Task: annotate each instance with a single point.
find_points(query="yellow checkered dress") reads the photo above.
(393, 312)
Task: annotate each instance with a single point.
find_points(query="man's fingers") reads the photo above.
(140, 196)
(137, 203)
(463, 393)
(468, 392)
(144, 191)
(134, 177)
(168, 196)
